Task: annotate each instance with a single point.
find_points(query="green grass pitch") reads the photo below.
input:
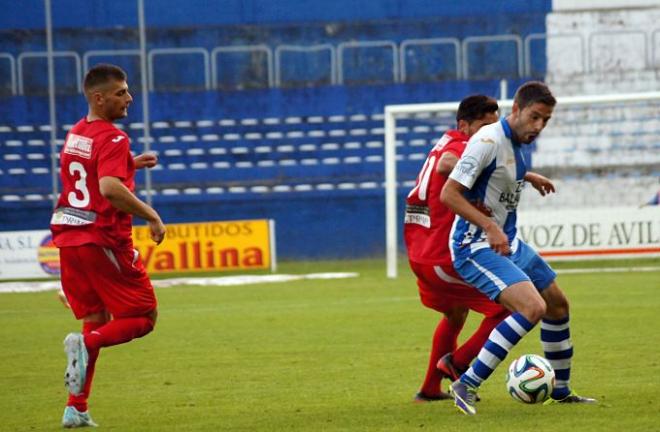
(326, 355)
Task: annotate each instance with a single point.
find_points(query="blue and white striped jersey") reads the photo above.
(492, 168)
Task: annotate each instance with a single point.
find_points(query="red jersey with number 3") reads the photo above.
(428, 222)
(92, 150)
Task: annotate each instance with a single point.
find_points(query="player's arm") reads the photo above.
(446, 163)
(452, 196)
(145, 160)
(540, 183)
(123, 199)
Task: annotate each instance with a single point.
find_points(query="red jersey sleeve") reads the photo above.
(113, 156)
(455, 147)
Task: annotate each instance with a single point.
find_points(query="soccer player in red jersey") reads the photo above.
(427, 227)
(103, 277)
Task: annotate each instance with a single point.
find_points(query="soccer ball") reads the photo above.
(530, 379)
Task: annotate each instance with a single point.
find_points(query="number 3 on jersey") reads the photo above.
(76, 169)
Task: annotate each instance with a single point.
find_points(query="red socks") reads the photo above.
(80, 401)
(444, 341)
(118, 331)
(98, 335)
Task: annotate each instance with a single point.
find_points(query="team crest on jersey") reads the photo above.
(468, 166)
(78, 146)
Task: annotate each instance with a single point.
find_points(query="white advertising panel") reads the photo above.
(28, 254)
(592, 233)
(590, 5)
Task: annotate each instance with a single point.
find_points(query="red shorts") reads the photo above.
(95, 278)
(442, 289)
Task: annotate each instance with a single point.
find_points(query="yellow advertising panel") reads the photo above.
(209, 246)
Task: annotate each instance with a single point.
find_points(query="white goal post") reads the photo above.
(395, 112)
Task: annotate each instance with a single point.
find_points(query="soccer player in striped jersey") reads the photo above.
(484, 190)
(427, 225)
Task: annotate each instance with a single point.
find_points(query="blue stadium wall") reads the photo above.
(337, 224)
(171, 13)
(80, 27)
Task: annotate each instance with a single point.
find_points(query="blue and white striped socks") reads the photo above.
(558, 349)
(503, 337)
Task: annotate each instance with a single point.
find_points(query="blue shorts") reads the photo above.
(491, 273)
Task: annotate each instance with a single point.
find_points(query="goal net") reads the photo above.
(604, 149)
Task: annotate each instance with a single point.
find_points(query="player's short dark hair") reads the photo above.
(534, 92)
(101, 74)
(475, 107)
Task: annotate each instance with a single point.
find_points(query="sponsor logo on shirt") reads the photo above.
(417, 215)
(118, 138)
(79, 146)
(72, 216)
(511, 199)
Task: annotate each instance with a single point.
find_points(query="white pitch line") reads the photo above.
(27, 286)
(9, 287)
(608, 270)
(248, 279)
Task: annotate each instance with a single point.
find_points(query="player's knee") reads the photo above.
(534, 310)
(557, 303)
(558, 308)
(524, 298)
(147, 324)
(153, 317)
(98, 317)
(457, 316)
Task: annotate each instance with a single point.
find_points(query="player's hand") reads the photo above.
(540, 183)
(157, 231)
(498, 241)
(145, 160)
